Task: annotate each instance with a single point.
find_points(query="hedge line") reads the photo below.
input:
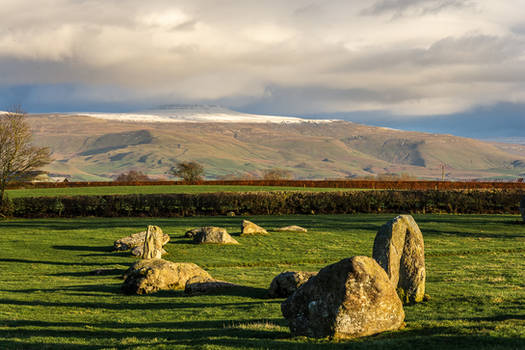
(165, 205)
(370, 184)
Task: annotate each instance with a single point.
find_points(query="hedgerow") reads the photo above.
(272, 203)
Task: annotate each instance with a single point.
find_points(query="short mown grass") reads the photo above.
(155, 189)
(49, 297)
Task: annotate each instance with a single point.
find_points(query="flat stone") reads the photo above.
(150, 276)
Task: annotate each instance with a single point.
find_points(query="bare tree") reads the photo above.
(18, 157)
(277, 174)
(133, 176)
(188, 171)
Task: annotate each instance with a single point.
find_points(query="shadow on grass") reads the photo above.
(60, 263)
(83, 248)
(244, 333)
(130, 305)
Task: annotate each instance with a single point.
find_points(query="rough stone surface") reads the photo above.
(230, 213)
(193, 232)
(212, 234)
(400, 250)
(351, 298)
(285, 284)
(150, 276)
(293, 228)
(249, 228)
(199, 285)
(137, 251)
(153, 243)
(522, 208)
(135, 240)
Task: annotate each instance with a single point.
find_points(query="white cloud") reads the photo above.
(410, 57)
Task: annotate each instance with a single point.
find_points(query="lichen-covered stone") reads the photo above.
(285, 284)
(212, 234)
(351, 298)
(200, 285)
(137, 251)
(153, 243)
(150, 276)
(193, 232)
(400, 250)
(249, 228)
(135, 240)
(292, 228)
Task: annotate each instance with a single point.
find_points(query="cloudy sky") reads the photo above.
(401, 58)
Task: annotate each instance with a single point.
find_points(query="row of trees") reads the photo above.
(193, 172)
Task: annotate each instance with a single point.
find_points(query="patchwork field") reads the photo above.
(49, 297)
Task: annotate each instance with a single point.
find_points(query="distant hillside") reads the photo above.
(96, 148)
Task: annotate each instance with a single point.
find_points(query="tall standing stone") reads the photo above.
(153, 243)
(400, 250)
(351, 298)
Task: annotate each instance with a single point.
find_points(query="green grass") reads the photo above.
(109, 190)
(49, 299)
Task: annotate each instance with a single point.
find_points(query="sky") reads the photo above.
(401, 61)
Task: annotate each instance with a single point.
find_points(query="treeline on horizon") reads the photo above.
(271, 203)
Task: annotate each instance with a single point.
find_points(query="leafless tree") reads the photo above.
(277, 174)
(188, 171)
(133, 176)
(18, 157)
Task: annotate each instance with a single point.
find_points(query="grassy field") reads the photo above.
(109, 190)
(49, 298)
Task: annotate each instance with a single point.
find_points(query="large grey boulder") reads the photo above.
(135, 240)
(400, 250)
(249, 228)
(285, 284)
(150, 276)
(522, 208)
(351, 298)
(212, 234)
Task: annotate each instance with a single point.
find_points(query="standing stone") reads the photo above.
(400, 250)
(192, 233)
(135, 240)
(249, 228)
(285, 284)
(152, 243)
(522, 208)
(351, 298)
(212, 234)
(150, 276)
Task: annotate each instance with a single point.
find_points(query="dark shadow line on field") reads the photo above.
(131, 305)
(496, 318)
(95, 273)
(26, 261)
(13, 344)
(239, 291)
(201, 324)
(432, 232)
(216, 334)
(183, 331)
(83, 248)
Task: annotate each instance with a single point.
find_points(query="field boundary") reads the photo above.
(364, 184)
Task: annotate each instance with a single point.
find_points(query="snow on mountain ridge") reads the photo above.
(197, 113)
